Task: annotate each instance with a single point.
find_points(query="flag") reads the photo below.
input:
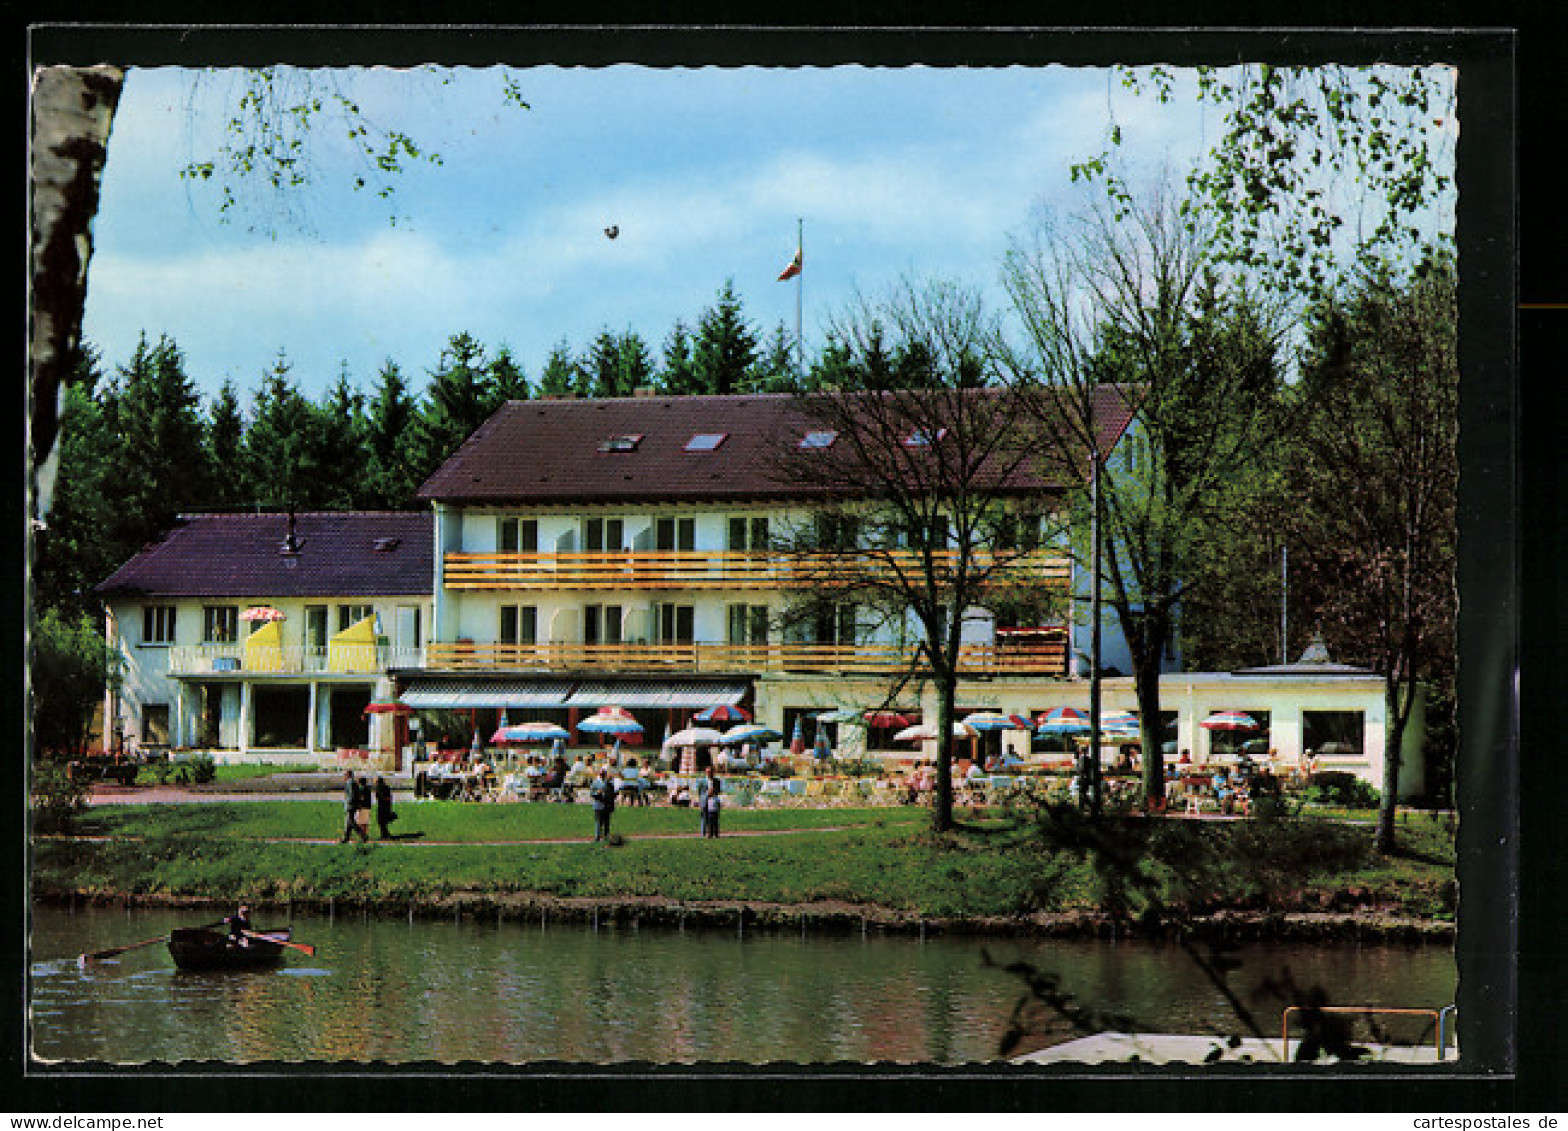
(794, 267)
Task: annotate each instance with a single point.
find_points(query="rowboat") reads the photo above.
(198, 949)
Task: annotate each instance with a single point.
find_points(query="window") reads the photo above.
(837, 532)
(817, 440)
(672, 534)
(600, 534)
(1018, 531)
(677, 624)
(220, 624)
(706, 441)
(155, 724)
(158, 624)
(1334, 734)
(602, 624)
(517, 535)
(519, 624)
(748, 624)
(748, 534)
(620, 443)
(834, 624)
(316, 629)
(353, 614)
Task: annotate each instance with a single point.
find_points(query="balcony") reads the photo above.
(698, 570)
(1040, 655)
(289, 660)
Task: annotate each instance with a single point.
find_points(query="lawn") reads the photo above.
(1011, 864)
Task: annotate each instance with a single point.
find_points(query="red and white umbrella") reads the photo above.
(694, 736)
(992, 720)
(263, 614)
(723, 713)
(530, 732)
(887, 719)
(1229, 720)
(925, 732)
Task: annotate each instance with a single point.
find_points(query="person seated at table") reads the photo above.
(680, 793)
(1222, 790)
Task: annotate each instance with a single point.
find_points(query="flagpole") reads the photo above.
(800, 286)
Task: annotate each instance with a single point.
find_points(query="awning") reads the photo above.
(480, 692)
(656, 693)
(486, 692)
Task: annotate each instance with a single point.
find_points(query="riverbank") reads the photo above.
(840, 869)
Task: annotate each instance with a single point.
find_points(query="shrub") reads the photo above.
(1336, 787)
(57, 797)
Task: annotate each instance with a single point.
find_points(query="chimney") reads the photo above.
(291, 542)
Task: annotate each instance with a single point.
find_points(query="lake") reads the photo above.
(513, 992)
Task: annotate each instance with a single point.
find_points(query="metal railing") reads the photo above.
(701, 569)
(290, 659)
(1038, 657)
(1438, 1016)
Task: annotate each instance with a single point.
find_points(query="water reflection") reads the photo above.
(513, 993)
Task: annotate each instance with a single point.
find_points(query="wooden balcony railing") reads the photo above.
(1036, 657)
(695, 570)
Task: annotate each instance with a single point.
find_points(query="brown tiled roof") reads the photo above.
(340, 554)
(552, 450)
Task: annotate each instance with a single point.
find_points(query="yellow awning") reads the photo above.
(353, 649)
(264, 648)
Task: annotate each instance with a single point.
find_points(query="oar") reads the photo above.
(282, 942)
(94, 956)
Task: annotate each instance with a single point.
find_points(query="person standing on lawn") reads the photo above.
(351, 824)
(711, 788)
(384, 814)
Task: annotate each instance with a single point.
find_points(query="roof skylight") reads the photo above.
(706, 441)
(621, 443)
(822, 438)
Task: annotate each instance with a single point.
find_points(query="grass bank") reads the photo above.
(1012, 866)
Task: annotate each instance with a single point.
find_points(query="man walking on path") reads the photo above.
(603, 793)
(351, 799)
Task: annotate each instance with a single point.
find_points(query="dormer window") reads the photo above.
(626, 443)
(819, 439)
(924, 437)
(706, 441)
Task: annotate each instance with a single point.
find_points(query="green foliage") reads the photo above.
(70, 664)
(725, 348)
(1335, 787)
(57, 797)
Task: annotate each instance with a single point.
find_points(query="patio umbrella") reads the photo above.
(1229, 720)
(531, 732)
(1118, 721)
(797, 742)
(991, 720)
(609, 724)
(694, 736)
(723, 713)
(924, 732)
(750, 732)
(382, 707)
(886, 719)
(1062, 720)
(264, 613)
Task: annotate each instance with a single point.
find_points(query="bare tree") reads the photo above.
(1123, 312)
(932, 496)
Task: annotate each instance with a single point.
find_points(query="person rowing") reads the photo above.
(240, 926)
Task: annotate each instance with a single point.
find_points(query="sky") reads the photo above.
(706, 173)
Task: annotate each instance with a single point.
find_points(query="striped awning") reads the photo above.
(656, 693)
(486, 692)
(479, 692)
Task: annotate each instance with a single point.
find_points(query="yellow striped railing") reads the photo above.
(696, 570)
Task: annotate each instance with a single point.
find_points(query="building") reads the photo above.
(584, 553)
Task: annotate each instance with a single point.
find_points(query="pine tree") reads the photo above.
(726, 346)
(338, 440)
(390, 475)
(617, 364)
(460, 398)
(775, 368)
(561, 376)
(225, 445)
(678, 376)
(158, 427)
(511, 383)
(282, 447)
